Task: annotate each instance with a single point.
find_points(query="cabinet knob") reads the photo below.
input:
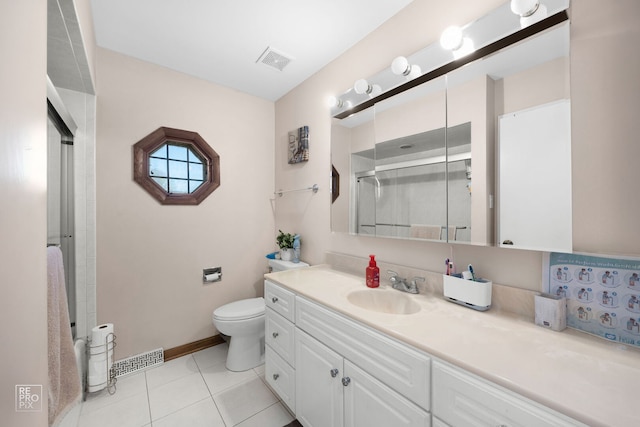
(274, 300)
(275, 334)
(276, 376)
(346, 381)
(334, 373)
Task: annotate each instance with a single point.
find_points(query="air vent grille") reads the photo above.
(273, 58)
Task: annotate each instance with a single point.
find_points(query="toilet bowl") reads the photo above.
(243, 321)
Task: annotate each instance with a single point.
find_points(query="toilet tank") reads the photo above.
(280, 265)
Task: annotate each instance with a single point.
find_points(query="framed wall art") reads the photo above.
(299, 145)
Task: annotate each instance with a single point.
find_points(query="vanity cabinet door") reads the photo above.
(369, 403)
(319, 389)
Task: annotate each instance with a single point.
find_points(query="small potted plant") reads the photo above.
(285, 243)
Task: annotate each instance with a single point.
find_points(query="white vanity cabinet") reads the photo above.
(279, 342)
(465, 400)
(332, 371)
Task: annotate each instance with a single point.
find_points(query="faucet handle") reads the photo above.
(415, 279)
(392, 273)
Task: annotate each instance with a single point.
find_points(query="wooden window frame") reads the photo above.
(164, 135)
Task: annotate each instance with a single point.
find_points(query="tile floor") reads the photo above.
(191, 391)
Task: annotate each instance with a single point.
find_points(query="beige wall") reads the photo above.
(23, 185)
(605, 94)
(149, 256)
(604, 90)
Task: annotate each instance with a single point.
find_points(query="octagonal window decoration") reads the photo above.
(176, 166)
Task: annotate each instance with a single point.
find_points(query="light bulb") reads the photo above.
(361, 86)
(416, 71)
(451, 38)
(524, 8)
(400, 66)
(334, 102)
(465, 49)
(538, 15)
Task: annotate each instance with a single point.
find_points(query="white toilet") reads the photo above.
(243, 322)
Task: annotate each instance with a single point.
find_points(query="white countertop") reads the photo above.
(584, 377)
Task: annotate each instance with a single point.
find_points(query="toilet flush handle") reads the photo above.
(274, 300)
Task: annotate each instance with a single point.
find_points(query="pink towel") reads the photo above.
(64, 382)
(421, 231)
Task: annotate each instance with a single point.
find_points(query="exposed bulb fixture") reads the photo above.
(464, 50)
(453, 39)
(333, 102)
(361, 86)
(529, 11)
(401, 67)
(524, 8)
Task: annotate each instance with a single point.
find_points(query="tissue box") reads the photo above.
(551, 311)
(474, 294)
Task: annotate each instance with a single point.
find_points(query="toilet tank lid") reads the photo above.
(280, 265)
(242, 309)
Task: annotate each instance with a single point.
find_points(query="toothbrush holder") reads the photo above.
(475, 294)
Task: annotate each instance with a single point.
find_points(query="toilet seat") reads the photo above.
(241, 310)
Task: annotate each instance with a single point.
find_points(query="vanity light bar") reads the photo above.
(509, 40)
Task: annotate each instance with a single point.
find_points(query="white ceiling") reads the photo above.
(221, 40)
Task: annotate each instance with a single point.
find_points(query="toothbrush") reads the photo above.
(473, 275)
(452, 268)
(448, 264)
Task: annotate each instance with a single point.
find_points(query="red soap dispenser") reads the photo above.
(373, 273)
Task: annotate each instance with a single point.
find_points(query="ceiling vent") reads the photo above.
(273, 58)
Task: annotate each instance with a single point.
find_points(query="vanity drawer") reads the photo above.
(462, 399)
(281, 377)
(400, 367)
(280, 335)
(279, 300)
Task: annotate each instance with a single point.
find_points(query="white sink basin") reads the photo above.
(383, 301)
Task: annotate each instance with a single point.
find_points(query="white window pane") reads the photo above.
(162, 182)
(193, 157)
(196, 171)
(193, 185)
(177, 152)
(177, 169)
(160, 152)
(157, 167)
(178, 186)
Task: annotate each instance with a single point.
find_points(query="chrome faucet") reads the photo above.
(401, 284)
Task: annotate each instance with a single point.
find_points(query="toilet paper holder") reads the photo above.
(96, 349)
(210, 275)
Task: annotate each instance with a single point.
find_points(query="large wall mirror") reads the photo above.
(481, 155)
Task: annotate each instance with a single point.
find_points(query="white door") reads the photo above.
(319, 389)
(369, 403)
(534, 196)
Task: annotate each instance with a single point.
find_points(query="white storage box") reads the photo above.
(474, 294)
(551, 311)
